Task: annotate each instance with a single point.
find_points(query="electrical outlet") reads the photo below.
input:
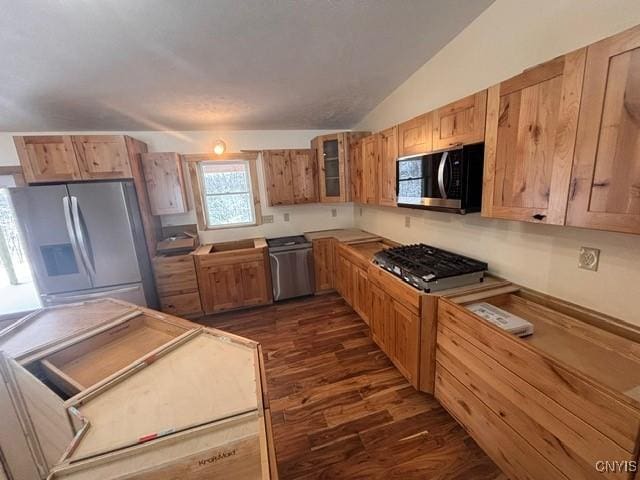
(589, 258)
(286, 217)
(407, 221)
(267, 219)
(334, 212)
(360, 211)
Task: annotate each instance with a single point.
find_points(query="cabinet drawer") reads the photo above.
(176, 274)
(509, 450)
(182, 304)
(565, 440)
(617, 421)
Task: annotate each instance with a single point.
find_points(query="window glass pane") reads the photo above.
(410, 188)
(225, 177)
(229, 209)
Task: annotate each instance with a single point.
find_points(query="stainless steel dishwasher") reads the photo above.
(291, 267)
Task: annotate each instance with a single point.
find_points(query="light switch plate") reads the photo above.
(407, 221)
(286, 217)
(589, 258)
(334, 212)
(267, 219)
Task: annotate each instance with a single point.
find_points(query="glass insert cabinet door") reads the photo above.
(331, 159)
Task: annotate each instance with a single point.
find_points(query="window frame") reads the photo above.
(194, 162)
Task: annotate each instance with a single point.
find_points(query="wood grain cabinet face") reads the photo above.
(304, 171)
(460, 122)
(323, 264)
(406, 338)
(102, 157)
(531, 132)
(165, 183)
(361, 293)
(47, 158)
(388, 144)
(415, 136)
(219, 288)
(253, 283)
(291, 176)
(370, 169)
(278, 175)
(345, 282)
(605, 184)
(356, 175)
(331, 168)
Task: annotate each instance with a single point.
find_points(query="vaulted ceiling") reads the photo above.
(199, 65)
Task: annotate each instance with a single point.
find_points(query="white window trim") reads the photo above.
(194, 162)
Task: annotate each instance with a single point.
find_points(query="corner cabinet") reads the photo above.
(605, 182)
(332, 169)
(460, 122)
(388, 154)
(531, 132)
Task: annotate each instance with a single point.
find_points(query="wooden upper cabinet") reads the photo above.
(355, 170)
(531, 134)
(47, 158)
(370, 169)
(165, 183)
(277, 170)
(388, 145)
(415, 136)
(460, 122)
(304, 171)
(102, 157)
(605, 182)
(291, 176)
(331, 167)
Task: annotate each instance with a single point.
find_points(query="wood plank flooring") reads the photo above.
(340, 409)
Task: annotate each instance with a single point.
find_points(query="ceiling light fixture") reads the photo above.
(219, 147)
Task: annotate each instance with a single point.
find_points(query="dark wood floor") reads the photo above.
(340, 409)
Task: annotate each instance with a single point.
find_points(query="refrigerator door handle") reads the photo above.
(66, 207)
(80, 234)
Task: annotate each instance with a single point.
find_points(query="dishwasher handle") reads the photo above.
(276, 293)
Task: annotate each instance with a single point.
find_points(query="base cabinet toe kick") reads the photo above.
(562, 403)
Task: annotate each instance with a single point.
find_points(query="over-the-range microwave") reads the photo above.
(449, 180)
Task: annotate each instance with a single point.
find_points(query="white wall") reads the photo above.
(508, 37)
(301, 217)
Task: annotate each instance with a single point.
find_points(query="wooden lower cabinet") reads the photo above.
(406, 339)
(177, 284)
(360, 292)
(324, 264)
(230, 279)
(344, 279)
(549, 406)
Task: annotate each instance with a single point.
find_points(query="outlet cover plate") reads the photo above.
(286, 217)
(589, 258)
(267, 219)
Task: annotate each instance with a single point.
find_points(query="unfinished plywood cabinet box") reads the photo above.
(190, 401)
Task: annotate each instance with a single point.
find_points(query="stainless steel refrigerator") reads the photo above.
(85, 241)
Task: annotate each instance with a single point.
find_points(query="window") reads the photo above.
(227, 191)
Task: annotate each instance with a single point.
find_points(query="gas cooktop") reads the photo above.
(430, 269)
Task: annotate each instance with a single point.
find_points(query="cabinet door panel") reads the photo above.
(47, 158)
(378, 314)
(531, 126)
(278, 176)
(605, 191)
(304, 173)
(102, 157)
(253, 282)
(361, 293)
(346, 281)
(415, 136)
(460, 122)
(220, 288)
(387, 167)
(370, 169)
(165, 183)
(323, 264)
(356, 176)
(331, 167)
(406, 339)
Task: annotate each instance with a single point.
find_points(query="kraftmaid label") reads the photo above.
(217, 458)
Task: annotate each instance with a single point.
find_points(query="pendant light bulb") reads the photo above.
(219, 147)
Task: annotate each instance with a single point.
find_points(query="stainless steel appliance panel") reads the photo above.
(129, 293)
(292, 273)
(45, 218)
(104, 228)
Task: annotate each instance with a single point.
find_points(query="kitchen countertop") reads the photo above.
(344, 235)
